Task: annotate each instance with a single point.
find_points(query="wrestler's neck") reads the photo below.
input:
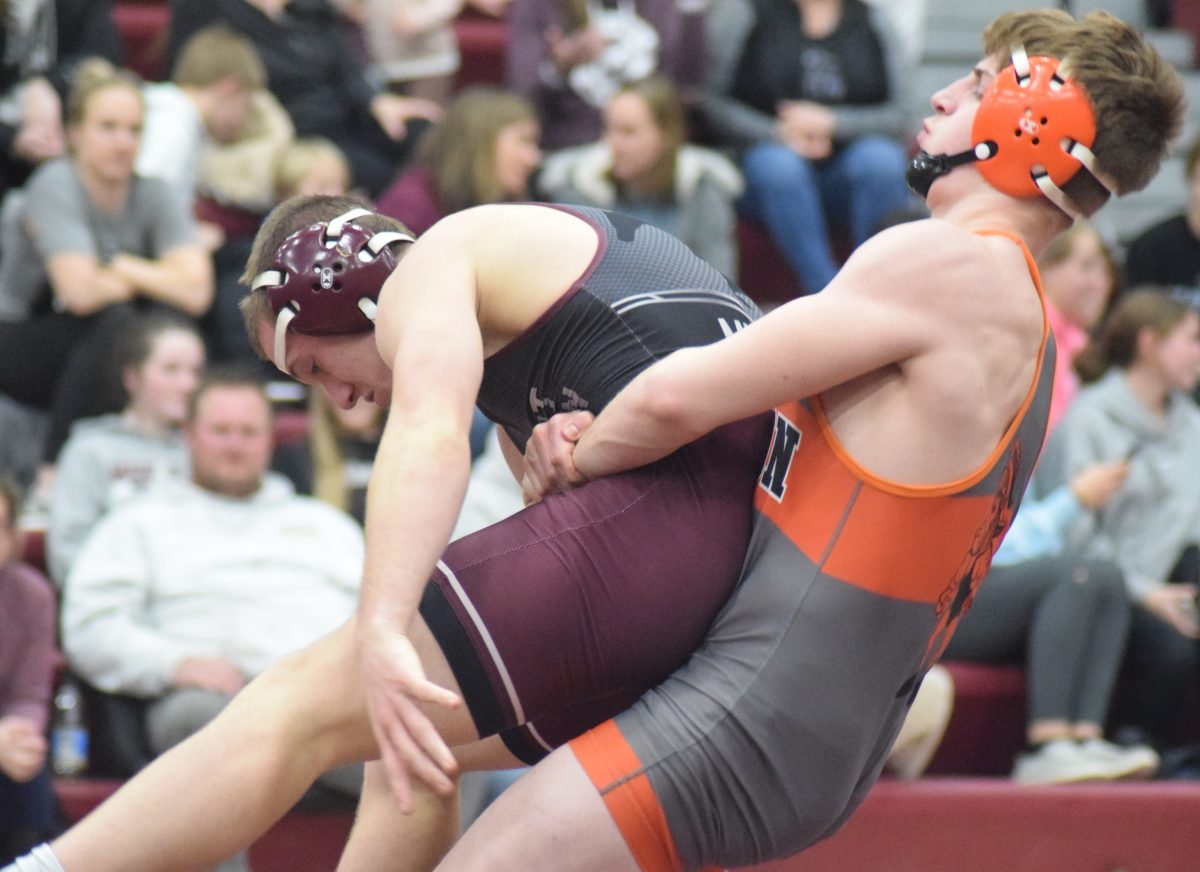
(973, 204)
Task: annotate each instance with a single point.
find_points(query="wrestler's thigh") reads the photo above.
(530, 825)
(320, 690)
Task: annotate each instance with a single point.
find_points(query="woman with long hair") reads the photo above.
(484, 150)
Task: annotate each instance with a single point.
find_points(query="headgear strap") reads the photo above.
(1033, 131)
(326, 278)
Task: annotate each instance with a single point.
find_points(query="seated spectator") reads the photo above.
(216, 97)
(645, 167)
(86, 245)
(109, 459)
(41, 43)
(484, 151)
(188, 592)
(411, 45)
(311, 166)
(1064, 618)
(1079, 277)
(342, 445)
(27, 664)
(811, 96)
(569, 58)
(314, 70)
(1144, 364)
(214, 132)
(1168, 254)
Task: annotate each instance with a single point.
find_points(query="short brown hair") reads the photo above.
(11, 495)
(216, 53)
(1143, 308)
(1136, 95)
(228, 375)
(284, 220)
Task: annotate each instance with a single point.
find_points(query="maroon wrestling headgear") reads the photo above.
(326, 278)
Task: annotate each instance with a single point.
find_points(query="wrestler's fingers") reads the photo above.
(426, 691)
(395, 770)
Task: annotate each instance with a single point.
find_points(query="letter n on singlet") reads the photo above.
(779, 458)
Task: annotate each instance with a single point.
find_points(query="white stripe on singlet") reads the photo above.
(681, 295)
(487, 640)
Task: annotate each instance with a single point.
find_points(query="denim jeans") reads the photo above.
(800, 201)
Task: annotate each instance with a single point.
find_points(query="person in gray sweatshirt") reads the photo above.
(1138, 408)
(110, 458)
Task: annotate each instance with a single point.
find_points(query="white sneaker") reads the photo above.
(1132, 761)
(1063, 761)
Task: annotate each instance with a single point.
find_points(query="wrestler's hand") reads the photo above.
(550, 456)
(408, 741)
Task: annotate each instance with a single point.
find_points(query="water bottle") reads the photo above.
(69, 738)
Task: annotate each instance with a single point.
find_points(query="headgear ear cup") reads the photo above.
(1041, 125)
(325, 279)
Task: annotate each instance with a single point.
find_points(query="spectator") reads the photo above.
(644, 166)
(27, 662)
(1064, 618)
(1146, 361)
(1168, 254)
(344, 442)
(1079, 277)
(85, 245)
(569, 58)
(214, 133)
(483, 151)
(217, 96)
(314, 70)
(42, 42)
(311, 166)
(411, 44)
(185, 594)
(811, 97)
(109, 459)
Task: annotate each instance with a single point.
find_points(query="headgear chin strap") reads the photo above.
(325, 279)
(1033, 131)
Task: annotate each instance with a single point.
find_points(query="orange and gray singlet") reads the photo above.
(564, 614)
(774, 731)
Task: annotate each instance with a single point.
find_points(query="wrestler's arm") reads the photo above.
(427, 332)
(882, 309)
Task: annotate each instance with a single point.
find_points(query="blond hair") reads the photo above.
(217, 53)
(93, 76)
(299, 157)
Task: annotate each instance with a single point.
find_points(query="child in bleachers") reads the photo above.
(109, 459)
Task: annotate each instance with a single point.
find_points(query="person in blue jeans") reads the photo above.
(811, 96)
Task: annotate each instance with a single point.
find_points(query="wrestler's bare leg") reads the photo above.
(385, 840)
(215, 793)
(551, 820)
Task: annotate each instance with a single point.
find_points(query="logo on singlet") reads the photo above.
(779, 457)
(543, 408)
(728, 328)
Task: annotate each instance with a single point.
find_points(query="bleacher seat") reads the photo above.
(143, 25)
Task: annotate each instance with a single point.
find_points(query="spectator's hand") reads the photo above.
(395, 683)
(393, 112)
(806, 128)
(1176, 604)
(550, 456)
(209, 673)
(22, 748)
(40, 136)
(580, 47)
(1095, 485)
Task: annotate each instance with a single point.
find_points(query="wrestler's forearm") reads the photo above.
(647, 420)
(417, 488)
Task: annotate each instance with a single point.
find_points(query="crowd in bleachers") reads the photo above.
(771, 136)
